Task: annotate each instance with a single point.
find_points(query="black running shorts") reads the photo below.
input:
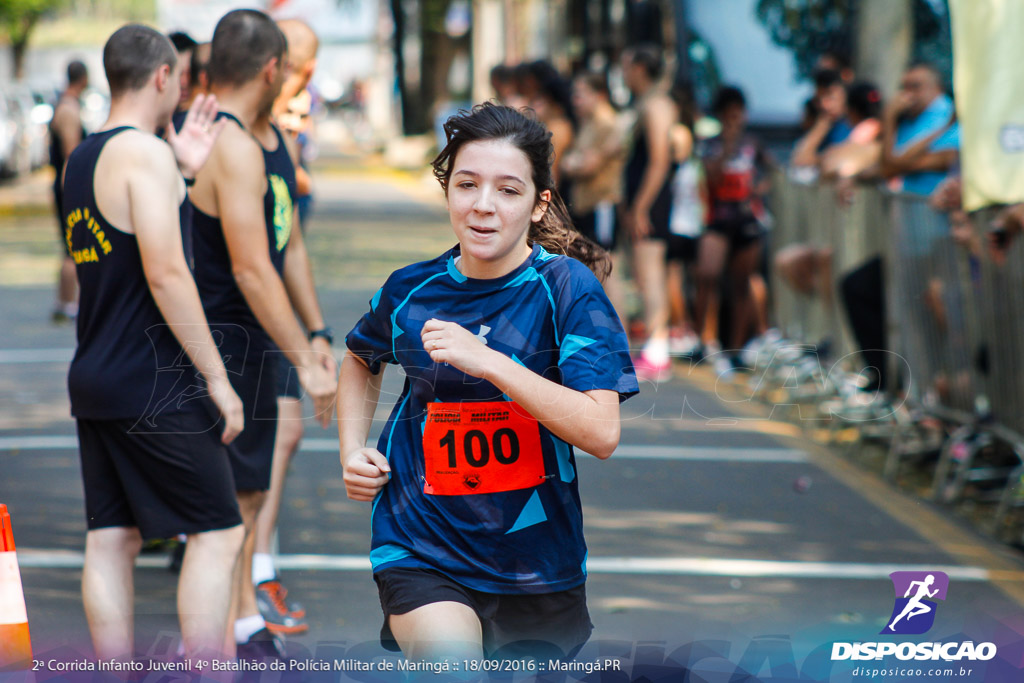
(682, 248)
(542, 626)
(599, 226)
(166, 475)
(737, 224)
(253, 375)
(288, 385)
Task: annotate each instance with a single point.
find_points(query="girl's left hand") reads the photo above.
(448, 342)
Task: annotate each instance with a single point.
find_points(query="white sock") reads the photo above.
(656, 350)
(262, 568)
(247, 626)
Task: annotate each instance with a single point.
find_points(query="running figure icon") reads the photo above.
(915, 607)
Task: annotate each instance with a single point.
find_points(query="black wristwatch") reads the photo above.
(327, 333)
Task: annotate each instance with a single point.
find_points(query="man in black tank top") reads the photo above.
(241, 237)
(147, 383)
(281, 153)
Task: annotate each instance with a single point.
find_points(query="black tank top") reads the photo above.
(57, 148)
(282, 194)
(636, 166)
(128, 363)
(223, 301)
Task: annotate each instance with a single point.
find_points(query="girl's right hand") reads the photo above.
(366, 472)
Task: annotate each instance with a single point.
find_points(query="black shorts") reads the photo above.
(741, 230)
(599, 225)
(288, 385)
(661, 211)
(253, 375)
(167, 475)
(682, 248)
(541, 626)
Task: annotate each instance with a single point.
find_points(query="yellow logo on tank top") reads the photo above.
(282, 211)
(89, 254)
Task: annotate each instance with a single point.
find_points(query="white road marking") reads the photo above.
(38, 443)
(18, 356)
(627, 451)
(32, 558)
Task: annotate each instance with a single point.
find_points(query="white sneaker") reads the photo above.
(683, 345)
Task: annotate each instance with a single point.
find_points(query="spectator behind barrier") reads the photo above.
(1005, 228)
(862, 149)
(920, 136)
(839, 61)
(831, 125)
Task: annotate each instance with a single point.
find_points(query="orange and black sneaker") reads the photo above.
(281, 617)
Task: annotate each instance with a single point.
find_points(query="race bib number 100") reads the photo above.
(486, 447)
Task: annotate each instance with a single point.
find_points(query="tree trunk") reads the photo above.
(885, 37)
(399, 47)
(19, 30)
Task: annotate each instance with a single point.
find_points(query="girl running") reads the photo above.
(512, 356)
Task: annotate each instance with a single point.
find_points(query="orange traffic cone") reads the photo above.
(15, 644)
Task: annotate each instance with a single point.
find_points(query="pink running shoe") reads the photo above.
(651, 371)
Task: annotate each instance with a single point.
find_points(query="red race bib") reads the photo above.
(480, 448)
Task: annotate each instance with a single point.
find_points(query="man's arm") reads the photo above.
(303, 183)
(298, 281)
(917, 157)
(238, 186)
(68, 125)
(153, 188)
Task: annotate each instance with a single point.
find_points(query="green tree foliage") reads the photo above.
(17, 19)
(811, 27)
(933, 38)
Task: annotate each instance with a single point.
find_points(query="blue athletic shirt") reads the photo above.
(550, 315)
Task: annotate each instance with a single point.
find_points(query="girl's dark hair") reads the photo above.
(864, 100)
(551, 85)
(489, 121)
(650, 56)
(686, 102)
(728, 96)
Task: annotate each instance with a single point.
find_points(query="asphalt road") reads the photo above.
(724, 545)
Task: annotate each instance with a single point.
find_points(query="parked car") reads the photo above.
(40, 113)
(9, 144)
(33, 118)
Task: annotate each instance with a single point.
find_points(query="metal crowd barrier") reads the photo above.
(955, 334)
